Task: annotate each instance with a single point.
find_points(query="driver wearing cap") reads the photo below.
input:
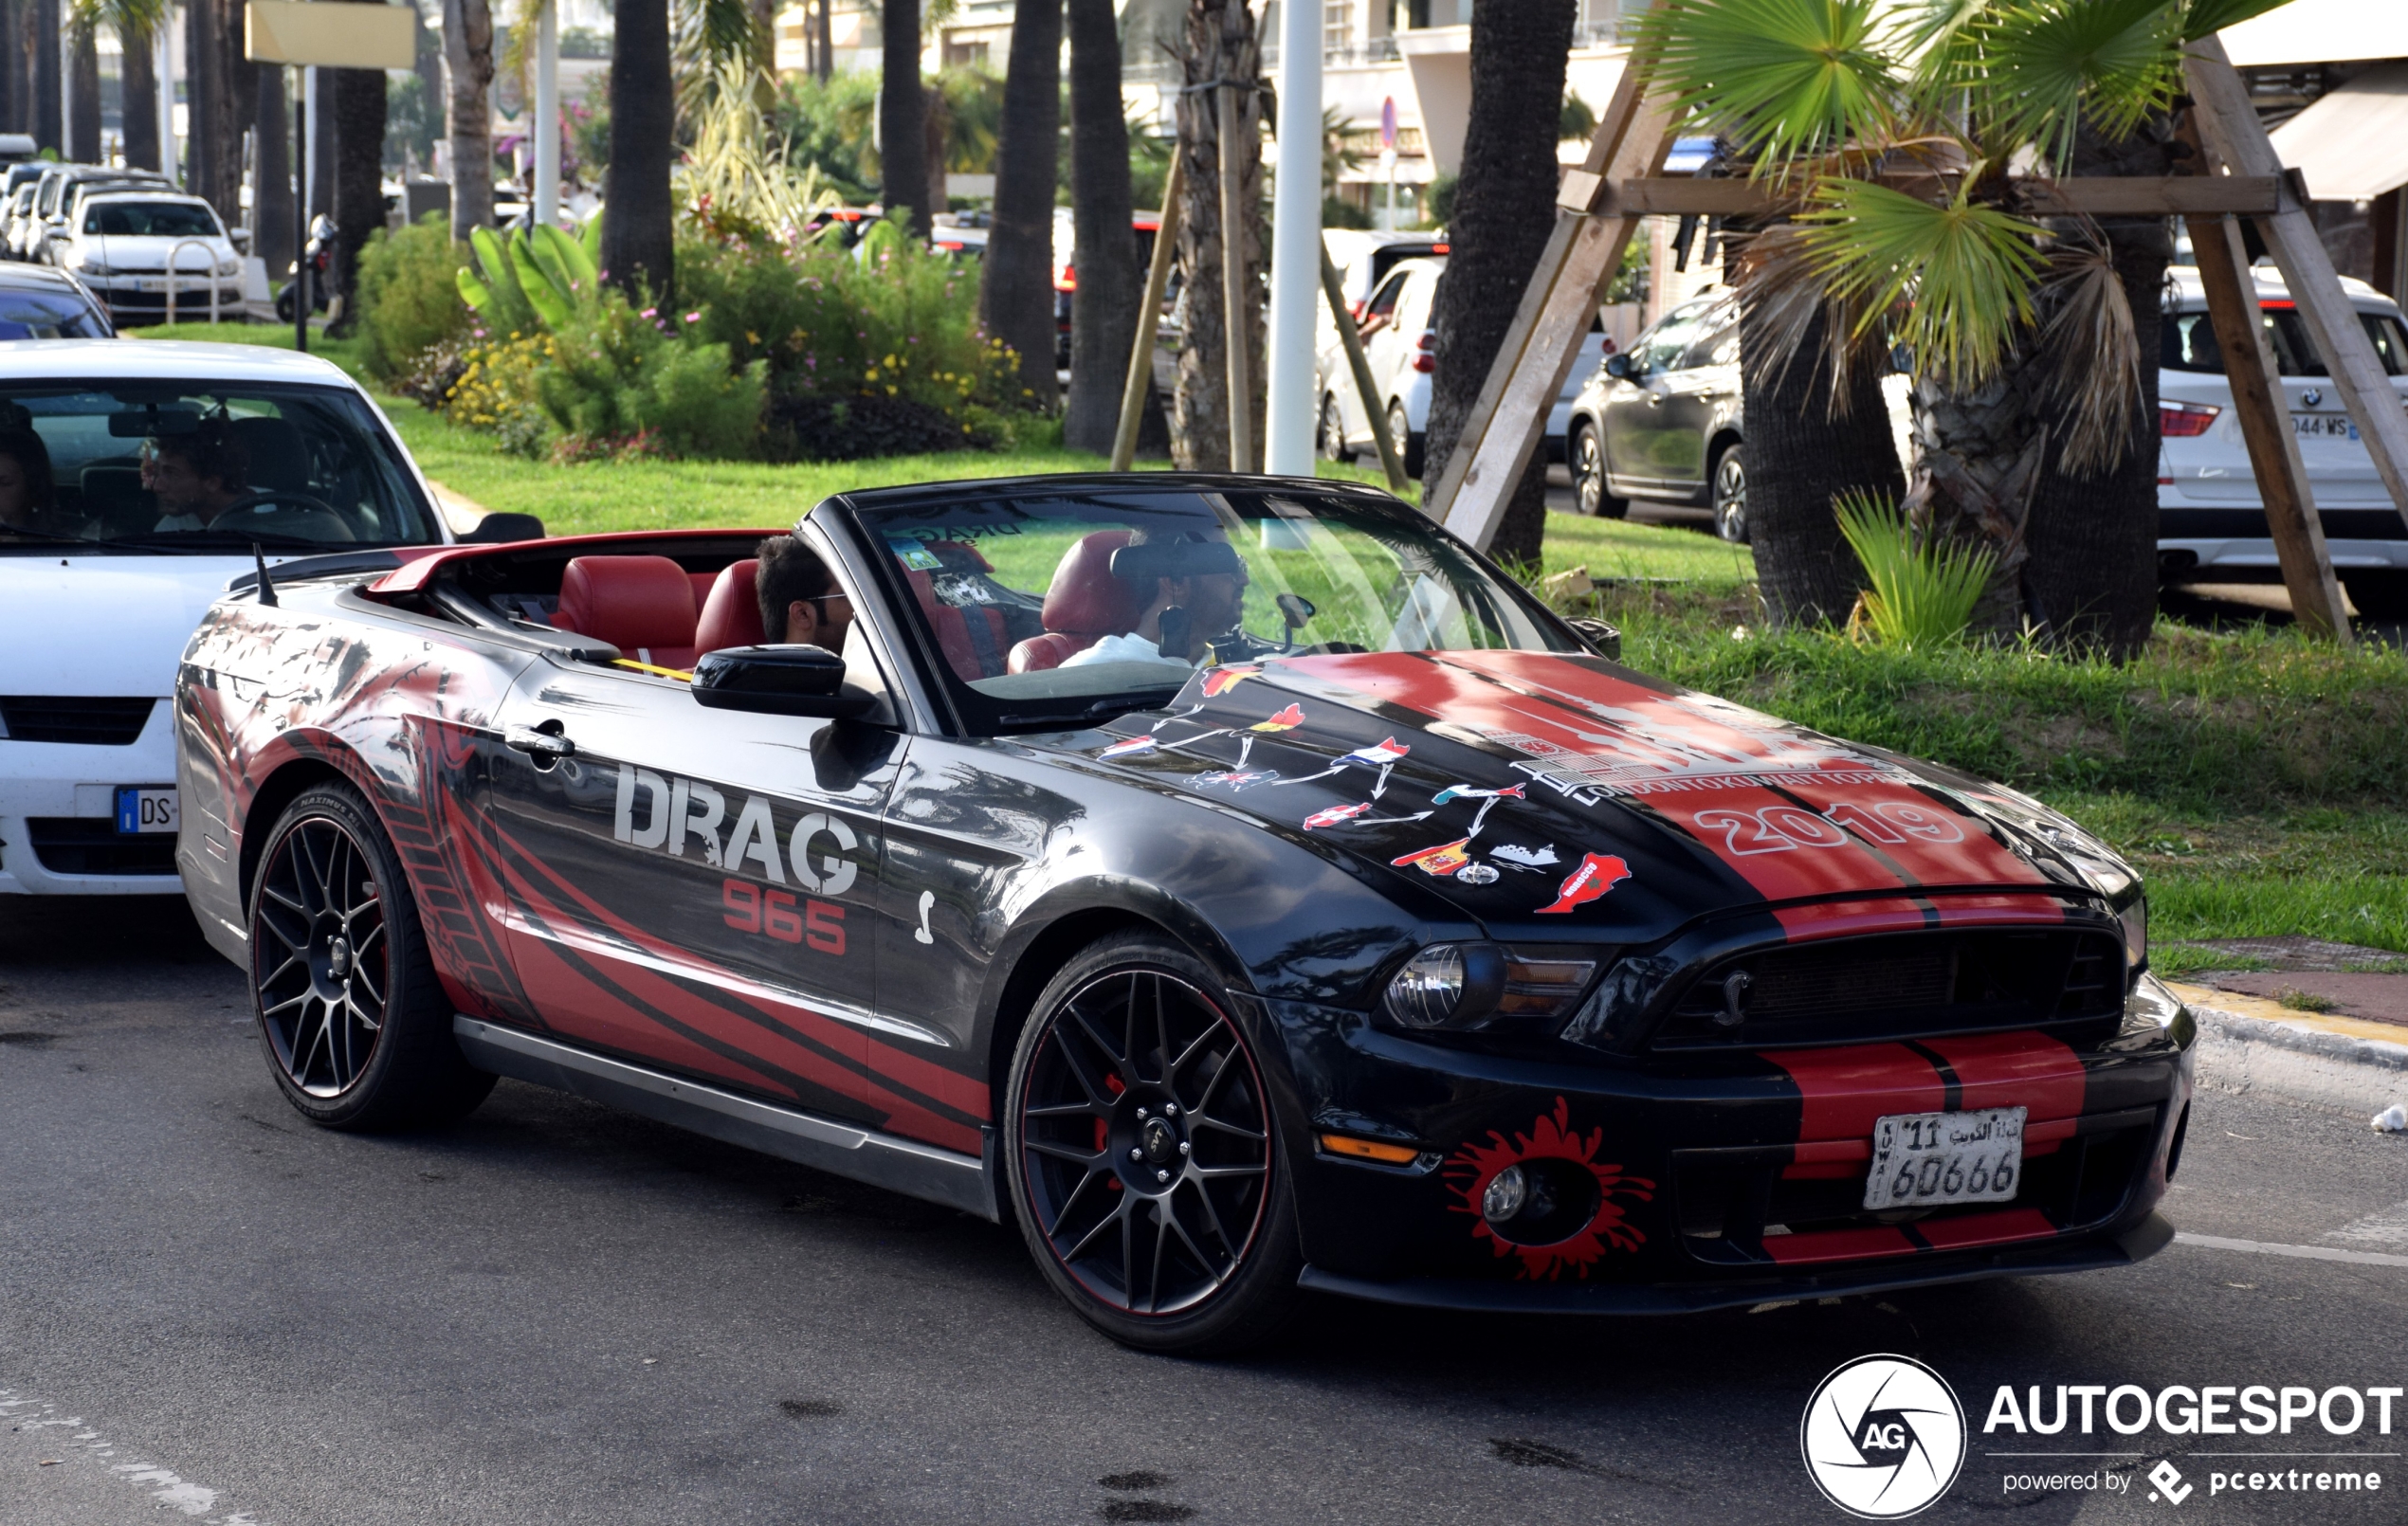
(1192, 586)
(197, 477)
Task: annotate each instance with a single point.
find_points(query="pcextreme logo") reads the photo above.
(1883, 1437)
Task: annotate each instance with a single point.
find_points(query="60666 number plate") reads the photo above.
(1923, 1159)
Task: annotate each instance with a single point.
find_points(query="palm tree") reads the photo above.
(902, 113)
(1886, 134)
(84, 114)
(1221, 44)
(137, 24)
(468, 71)
(1015, 280)
(1103, 308)
(638, 242)
(1504, 210)
(360, 164)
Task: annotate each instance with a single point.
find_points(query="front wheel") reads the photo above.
(357, 1029)
(1730, 496)
(1333, 430)
(1408, 444)
(1588, 476)
(1144, 1160)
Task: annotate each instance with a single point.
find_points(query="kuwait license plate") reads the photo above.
(1922, 1159)
(2324, 425)
(141, 810)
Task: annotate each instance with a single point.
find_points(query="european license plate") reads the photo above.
(2324, 425)
(1923, 1159)
(152, 283)
(145, 810)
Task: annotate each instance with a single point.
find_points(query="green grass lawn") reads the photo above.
(2255, 778)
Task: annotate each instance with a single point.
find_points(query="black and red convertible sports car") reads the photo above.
(1236, 881)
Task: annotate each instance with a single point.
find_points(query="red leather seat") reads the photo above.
(1084, 605)
(642, 605)
(732, 610)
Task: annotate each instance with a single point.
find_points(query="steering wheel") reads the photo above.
(281, 495)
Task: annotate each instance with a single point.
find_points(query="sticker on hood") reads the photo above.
(1597, 874)
(1441, 861)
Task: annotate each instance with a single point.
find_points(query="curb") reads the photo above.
(2338, 1064)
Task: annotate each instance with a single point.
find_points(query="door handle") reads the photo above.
(545, 745)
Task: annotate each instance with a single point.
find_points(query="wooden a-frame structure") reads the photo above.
(1620, 180)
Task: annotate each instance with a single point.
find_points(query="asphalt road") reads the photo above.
(554, 1314)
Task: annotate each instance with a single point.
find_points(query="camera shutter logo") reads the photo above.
(1883, 1437)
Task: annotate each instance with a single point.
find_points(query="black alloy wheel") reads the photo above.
(1730, 496)
(1143, 1155)
(357, 1029)
(1333, 430)
(1588, 475)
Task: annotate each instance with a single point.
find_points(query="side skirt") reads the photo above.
(900, 1165)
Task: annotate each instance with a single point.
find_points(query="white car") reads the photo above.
(1401, 347)
(98, 594)
(2211, 522)
(121, 243)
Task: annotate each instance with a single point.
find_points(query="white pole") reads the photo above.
(75, 152)
(308, 156)
(163, 69)
(1388, 168)
(546, 126)
(1296, 247)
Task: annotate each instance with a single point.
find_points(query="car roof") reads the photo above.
(20, 273)
(146, 193)
(167, 359)
(2192, 291)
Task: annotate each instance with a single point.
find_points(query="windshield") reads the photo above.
(48, 315)
(1061, 609)
(156, 219)
(198, 465)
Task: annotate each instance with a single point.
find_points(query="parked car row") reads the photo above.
(125, 236)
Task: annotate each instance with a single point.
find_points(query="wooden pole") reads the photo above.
(1149, 316)
(1236, 312)
(2265, 426)
(1632, 136)
(2235, 137)
(1334, 292)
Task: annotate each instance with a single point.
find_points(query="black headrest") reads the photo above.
(1176, 560)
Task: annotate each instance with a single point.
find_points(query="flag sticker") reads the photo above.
(1441, 861)
(1597, 874)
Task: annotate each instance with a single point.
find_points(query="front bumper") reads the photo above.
(57, 831)
(2239, 558)
(1720, 1181)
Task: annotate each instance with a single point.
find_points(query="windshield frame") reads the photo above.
(967, 712)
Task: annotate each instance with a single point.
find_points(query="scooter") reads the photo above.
(320, 253)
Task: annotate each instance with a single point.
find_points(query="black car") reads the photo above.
(1662, 420)
(43, 303)
(1235, 882)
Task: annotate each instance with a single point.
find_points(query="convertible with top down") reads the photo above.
(1236, 882)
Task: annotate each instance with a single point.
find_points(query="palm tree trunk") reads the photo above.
(272, 204)
(216, 116)
(1103, 308)
(138, 87)
(1802, 454)
(84, 132)
(1504, 210)
(13, 80)
(1979, 458)
(638, 247)
(468, 71)
(1016, 281)
(360, 164)
(902, 112)
(936, 136)
(1221, 46)
(42, 43)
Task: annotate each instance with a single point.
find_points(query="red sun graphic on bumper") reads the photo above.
(1551, 1137)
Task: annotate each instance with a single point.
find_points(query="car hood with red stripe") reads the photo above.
(1551, 795)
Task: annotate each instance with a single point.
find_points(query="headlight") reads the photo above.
(1468, 985)
(230, 268)
(91, 264)
(2134, 915)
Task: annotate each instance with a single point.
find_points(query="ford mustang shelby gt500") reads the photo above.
(1237, 882)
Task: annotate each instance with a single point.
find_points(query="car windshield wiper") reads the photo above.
(44, 535)
(1101, 710)
(218, 539)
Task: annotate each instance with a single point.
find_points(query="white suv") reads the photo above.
(2211, 522)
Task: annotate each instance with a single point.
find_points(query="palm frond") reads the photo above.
(2040, 69)
(1785, 293)
(1957, 277)
(2095, 355)
(1782, 78)
(706, 34)
(2205, 18)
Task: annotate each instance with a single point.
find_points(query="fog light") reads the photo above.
(1508, 1191)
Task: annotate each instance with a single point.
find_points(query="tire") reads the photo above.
(1331, 435)
(1096, 1135)
(2380, 593)
(331, 906)
(1728, 495)
(1408, 444)
(1586, 456)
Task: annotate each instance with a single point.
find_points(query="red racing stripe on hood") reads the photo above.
(2026, 1070)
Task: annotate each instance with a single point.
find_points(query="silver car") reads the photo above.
(1661, 420)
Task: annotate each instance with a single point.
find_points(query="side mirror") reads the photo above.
(1605, 639)
(1618, 367)
(778, 681)
(501, 529)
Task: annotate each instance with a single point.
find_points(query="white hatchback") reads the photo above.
(108, 557)
(2211, 521)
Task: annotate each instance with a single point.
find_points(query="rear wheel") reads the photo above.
(1588, 475)
(1730, 496)
(1144, 1160)
(1408, 444)
(1333, 430)
(2380, 593)
(357, 1029)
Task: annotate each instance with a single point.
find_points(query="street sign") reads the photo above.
(331, 36)
(1388, 122)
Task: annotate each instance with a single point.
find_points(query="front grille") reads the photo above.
(1909, 986)
(94, 723)
(82, 844)
(1730, 1202)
